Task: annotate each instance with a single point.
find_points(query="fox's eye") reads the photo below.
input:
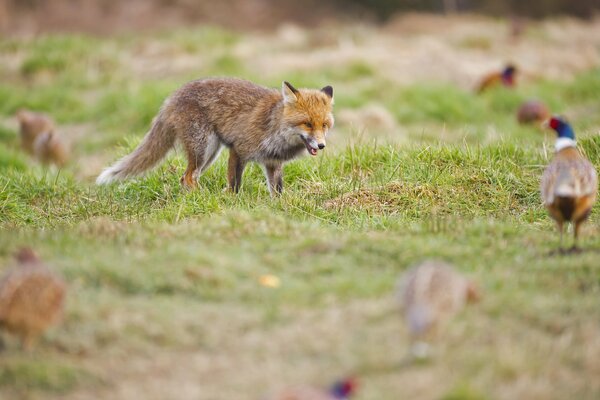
(308, 125)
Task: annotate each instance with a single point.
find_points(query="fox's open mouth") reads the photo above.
(311, 150)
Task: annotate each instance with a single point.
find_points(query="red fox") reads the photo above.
(258, 124)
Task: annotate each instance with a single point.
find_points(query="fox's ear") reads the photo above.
(290, 93)
(328, 90)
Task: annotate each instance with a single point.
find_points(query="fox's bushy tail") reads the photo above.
(155, 145)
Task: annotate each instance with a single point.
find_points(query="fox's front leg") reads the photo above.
(274, 174)
(235, 171)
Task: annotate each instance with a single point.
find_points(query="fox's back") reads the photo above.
(223, 101)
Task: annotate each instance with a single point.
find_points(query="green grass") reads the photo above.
(23, 376)
(166, 281)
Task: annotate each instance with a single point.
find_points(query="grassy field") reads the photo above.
(164, 299)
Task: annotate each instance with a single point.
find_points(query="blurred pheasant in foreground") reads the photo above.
(39, 139)
(505, 78)
(533, 112)
(430, 294)
(341, 390)
(31, 298)
(569, 184)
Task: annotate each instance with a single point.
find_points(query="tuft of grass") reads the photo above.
(12, 159)
(466, 181)
(202, 39)
(57, 53)
(40, 375)
(463, 392)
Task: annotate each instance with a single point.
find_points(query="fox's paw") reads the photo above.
(188, 182)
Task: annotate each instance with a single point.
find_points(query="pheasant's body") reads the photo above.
(49, 149)
(38, 138)
(569, 187)
(504, 78)
(430, 294)
(31, 126)
(31, 300)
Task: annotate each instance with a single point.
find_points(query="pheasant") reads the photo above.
(341, 390)
(48, 148)
(31, 298)
(32, 124)
(39, 139)
(430, 294)
(569, 184)
(532, 112)
(505, 78)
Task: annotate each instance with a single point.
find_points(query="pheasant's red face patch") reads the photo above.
(554, 123)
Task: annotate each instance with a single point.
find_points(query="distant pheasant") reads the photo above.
(569, 184)
(430, 294)
(341, 390)
(31, 298)
(505, 78)
(48, 148)
(32, 124)
(39, 139)
(533, 112)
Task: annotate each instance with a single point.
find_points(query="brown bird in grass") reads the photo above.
(31, 298)
(533, 112)
(32, 124)
(504, 78)
(430, 294)
(39, 138)
(570, 183)
(341, 390)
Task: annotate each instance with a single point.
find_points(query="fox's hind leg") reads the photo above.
(200, 146)
(188, 180)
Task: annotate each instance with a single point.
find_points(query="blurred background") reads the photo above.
(107, 16)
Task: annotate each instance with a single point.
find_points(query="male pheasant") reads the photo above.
(31, 298)
(505, 78)
(569, 184)
(430, 294)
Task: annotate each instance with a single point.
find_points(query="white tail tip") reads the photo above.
(107, 176)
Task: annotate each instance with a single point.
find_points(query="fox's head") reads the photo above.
(308, 113)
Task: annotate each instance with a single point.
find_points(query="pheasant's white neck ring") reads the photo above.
(563, 143)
